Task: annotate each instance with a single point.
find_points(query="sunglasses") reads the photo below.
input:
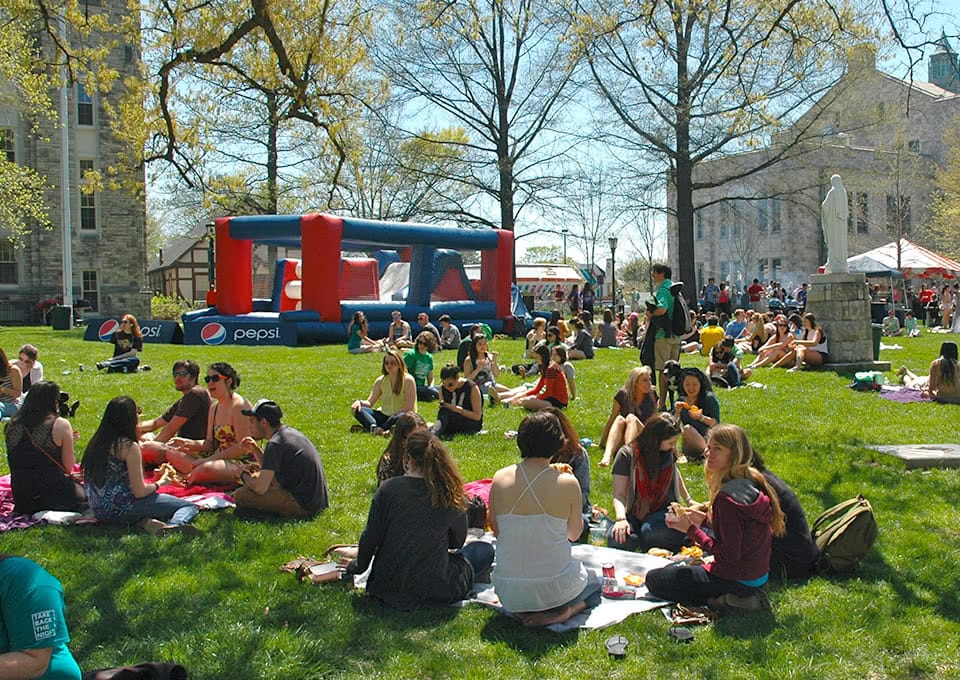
(181, 374)
(211, 378)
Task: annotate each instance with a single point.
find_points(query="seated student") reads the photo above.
(606, 332)
(127, 342)
(891, 324)
(419, 361)
(40, 455)
(558, 355)
(646, 480)
(423, 320)
(33, 627)
(550, 390)
(187, 417)
(358, 341)
(575, 455)
(779, 343)
(291, 481)
(698, 410)
(535, 511)
(398, 332)
(11, 386)
(810, 349)
(461, 404)
(690, 343)
(724, 365)
(391, 460)
(214, 458)
(464, 349)
(633, 404)
(396, 391)
(416, 529)
(582, 347)
(534, 336)
(630, 336)
(943, 382)
(449, 333)
(744, 515)
(113, 476)
(793, 555)
(754, 335)
(31, 370)
(483, 367)
(736, 326)
(910, 326)
(710, 335)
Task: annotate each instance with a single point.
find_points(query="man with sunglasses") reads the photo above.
(186, 418)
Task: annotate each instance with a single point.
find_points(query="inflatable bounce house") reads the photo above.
(410, 267)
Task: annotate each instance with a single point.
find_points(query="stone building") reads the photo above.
(108, 227)
(882, 134)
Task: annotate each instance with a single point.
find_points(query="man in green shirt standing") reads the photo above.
(666, 346)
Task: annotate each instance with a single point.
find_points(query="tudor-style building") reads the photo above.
(108, 227)
(882, 134)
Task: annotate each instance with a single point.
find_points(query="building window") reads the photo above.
(8, 144)
(723, 231)
(9, 274)
(775, 266)
(851, 211)
(698, 219)
(735, 229)
(775, 208)
(762, 217)
(90, 289)
(913, 146)
(700, 279)
(84, 106)
(762, 269)
(88, 201)
(724, 271)
(863, 213)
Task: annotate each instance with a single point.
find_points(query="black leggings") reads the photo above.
(691, 585)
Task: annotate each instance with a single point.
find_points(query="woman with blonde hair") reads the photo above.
(744, 514)
(416, 528)
(633, 404)
(754, 334)
(394, 388)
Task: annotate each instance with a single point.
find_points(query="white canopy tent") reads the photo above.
(916, 262)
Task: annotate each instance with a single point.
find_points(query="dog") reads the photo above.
(65, 408)
(672, 377)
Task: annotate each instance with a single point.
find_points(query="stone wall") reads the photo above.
(841, 305)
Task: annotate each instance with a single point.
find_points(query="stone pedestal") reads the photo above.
(841, 304)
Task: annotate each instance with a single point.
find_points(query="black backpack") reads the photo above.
(680, 322)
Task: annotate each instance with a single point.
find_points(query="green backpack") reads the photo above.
(844, 534)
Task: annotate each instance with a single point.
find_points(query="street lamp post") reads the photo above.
(564, 232)
(613, 272)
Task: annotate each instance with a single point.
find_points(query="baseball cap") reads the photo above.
(265, 408)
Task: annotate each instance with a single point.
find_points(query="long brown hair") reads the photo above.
(658, 428)
(571, 448)
(405, 425)
(439, 470)
(741, 455)
(397, 386)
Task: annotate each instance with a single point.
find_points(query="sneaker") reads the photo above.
(101, 365)
(357, 427)
(754, 602)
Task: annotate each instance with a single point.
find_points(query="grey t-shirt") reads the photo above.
(297, 467)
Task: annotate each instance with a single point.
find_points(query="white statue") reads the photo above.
(833, 216)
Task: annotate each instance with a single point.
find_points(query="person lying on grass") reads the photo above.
(215, 458)
(633, 404)
(113, 477)
(744, 514)
(416, 529)
(394, 388)
(535, 511)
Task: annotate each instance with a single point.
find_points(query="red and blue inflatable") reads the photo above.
(410, 267)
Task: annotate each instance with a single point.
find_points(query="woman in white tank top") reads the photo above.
(535, 513)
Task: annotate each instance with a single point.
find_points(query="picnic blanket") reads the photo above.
(205, 498)
(481, 488)
(607, 613)
(903, 394)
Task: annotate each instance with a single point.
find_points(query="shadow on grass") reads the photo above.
(745, 626)
(533, 643)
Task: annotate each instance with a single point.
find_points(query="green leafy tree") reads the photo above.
(944, 229)
(543, 255)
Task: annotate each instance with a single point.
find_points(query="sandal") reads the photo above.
(617, 646)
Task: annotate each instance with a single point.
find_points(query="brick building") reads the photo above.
(108, 227)
(882, 134)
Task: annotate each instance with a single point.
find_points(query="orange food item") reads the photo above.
(634, 580)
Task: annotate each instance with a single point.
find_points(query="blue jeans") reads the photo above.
(7, 409)
(480, 556)
(125, 365)
(427, 393)
(370, 419)
(163, 506)
(651, 532)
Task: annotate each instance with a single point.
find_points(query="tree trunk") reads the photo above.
(683, 178)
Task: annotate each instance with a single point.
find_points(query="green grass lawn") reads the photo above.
(218, 604)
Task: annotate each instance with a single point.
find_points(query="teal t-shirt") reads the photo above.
(32, 616)
(665, 299)
(354, 341)
(419, 366)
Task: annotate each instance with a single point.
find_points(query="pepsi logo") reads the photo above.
(213, 333)
(107, 329)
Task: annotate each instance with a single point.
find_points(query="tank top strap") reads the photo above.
(529, 488)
